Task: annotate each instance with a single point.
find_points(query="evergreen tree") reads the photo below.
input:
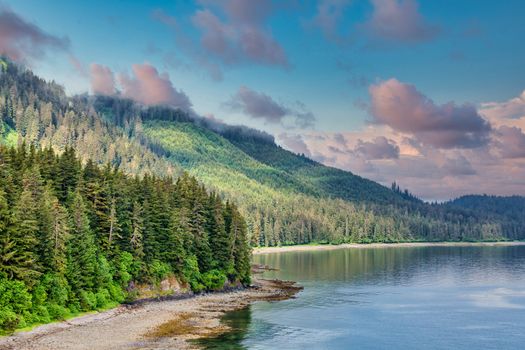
(81, 249)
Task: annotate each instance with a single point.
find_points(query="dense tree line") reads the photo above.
(289, 199)
(77, 237)
(286, 198)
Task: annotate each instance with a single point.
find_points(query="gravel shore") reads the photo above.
(164, 324)
(296, 248)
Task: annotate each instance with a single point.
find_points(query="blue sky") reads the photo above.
(321, 60)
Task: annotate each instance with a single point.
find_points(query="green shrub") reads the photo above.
(214, 279)
(116, 293)
(8, 321)
(15, 301)
(159, 270)
(41, 314)
(192, 275)
(103, 298)
(57, 312)
(88, 300)
(124, 268)
(56, 288)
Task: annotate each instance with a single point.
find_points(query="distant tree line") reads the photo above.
(285, 198)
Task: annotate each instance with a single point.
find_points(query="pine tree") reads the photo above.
(136, 243)
(25, 227)
(221, 242)
(241, 248)
(53, 233)
(15, 262)
(82, 252)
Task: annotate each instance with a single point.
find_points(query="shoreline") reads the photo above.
(164, 324)
(319, 247)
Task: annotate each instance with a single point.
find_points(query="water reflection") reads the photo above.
(239, 322)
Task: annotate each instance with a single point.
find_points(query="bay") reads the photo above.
(388, 298)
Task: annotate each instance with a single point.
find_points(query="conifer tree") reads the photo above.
(82, 252)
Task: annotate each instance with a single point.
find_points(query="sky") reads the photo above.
(430, 94)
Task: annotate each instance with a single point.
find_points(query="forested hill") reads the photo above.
(286, 198)
(78, 238)
(504, 208)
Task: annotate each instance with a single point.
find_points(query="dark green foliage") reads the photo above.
(285, 197)
(15, 304)
(78, 245)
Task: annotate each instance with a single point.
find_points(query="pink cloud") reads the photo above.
(294, 143)
(511, 142)
(147, 86)
(433, 173)
(23, 41)
(399, 21)
(257, 105)
(511, 109)
(243, 37)
(102, 79)
(379, 148)
(402, 107)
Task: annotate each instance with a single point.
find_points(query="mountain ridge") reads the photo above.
(287, 198)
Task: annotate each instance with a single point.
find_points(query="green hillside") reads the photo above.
(327, 180)
(286, 198)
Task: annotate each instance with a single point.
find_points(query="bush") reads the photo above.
(41, 314)
(214, 280)
(125, 266)
(88, 301)
(159, 270)
(8, 321)
(57, 312)
(15, 301)
(56, 288)
(103, 298)
(116, 292)
(192, 274)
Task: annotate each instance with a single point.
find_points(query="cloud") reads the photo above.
(458, 166)
(164, 18)
(379, 148)
(230, 33)
(511, 109)
(257, 105)
(261, 106)
(23, 41)
(147, 86)
(78, 66)
(242, 38)
(433, 173)
(294, 143)
(329, 14)
(511, 142)
(402, 107)
(399, 21)
(102, 80)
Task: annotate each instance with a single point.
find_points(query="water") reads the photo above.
(389, 298)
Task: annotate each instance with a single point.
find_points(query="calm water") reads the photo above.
(389, 298)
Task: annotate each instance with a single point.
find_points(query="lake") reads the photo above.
(389, 298)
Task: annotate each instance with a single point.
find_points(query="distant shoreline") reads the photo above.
(314, 247)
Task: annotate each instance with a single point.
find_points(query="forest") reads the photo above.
(285, 198)
(77, 237)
